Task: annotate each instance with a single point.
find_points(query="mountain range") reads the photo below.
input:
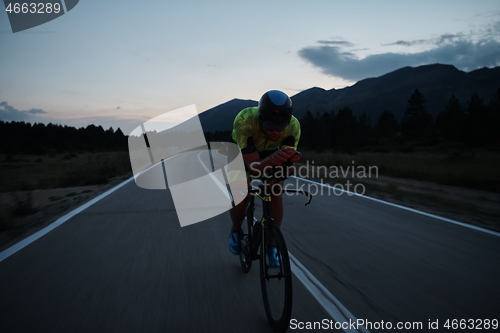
(374, 95)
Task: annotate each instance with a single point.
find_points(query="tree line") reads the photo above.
(474, 124)
(39, 139)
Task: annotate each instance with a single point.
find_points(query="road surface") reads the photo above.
(124, 264)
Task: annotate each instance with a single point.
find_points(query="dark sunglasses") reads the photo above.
(272, 126)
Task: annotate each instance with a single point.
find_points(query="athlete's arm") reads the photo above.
(257, 166)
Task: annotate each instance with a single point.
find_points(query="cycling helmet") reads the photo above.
(275, 106)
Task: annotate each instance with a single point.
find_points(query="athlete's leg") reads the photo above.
(277, 208)
(277, 214)
(277, 200)
(238, 214)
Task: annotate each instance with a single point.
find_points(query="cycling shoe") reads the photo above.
(234, 242)
(272, 255)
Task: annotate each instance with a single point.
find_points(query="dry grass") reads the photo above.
(421, 181)
(464, 169)
(21, 174)
(25, 212)
(28, 172)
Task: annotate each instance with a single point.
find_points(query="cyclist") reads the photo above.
(267, 136)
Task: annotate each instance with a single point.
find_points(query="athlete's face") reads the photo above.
(272, 135)
(271, 129)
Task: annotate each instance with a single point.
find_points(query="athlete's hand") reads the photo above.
(280, 156)
(294, 155)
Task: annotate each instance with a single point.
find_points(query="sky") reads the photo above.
(119, 63)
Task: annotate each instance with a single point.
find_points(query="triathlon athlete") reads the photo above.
(267, 136)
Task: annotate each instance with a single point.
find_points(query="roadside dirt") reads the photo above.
(23, 213)
(479, 208)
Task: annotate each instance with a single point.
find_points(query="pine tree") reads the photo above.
(494, 107)
(308, 136)
(344, 130)
(324, 130)
(451, 121)
(417, 123)
(480, 121)
(387, 125)
(364, 130)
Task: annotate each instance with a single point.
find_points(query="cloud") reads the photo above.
(335, 42)
(433, 41)
(496, 27)
(448, 49)
(35, 111)
(404, 43)
(494, 30)
(9, 113)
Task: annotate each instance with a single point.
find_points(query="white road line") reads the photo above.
(325, 298)
(491, 232)
(28, 240)
(223, 188)
(25, 242)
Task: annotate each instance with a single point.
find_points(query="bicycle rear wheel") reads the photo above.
(245, 240)
(276, 282)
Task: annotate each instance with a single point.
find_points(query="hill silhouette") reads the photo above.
(391, 91)
(374, 95)
(420, 105)
(221, 117)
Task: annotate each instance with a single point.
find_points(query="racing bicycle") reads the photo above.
(255, 238)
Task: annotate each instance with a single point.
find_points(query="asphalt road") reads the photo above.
(125, 265)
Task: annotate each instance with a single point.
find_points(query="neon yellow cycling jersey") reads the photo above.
(246, 128)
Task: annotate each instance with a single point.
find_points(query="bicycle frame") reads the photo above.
(257, 233)
(258, 229)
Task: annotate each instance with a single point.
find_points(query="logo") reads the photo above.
(204, 178)
(29, 14)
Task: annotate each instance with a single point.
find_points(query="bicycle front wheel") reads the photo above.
(276, 282)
